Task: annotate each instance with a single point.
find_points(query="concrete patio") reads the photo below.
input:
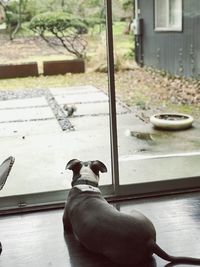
(37, 131)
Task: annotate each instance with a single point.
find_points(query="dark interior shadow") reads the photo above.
(176, 264)
(170, 264)
(79, 256)
(5, 169)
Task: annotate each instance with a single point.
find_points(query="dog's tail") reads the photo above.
(162, 254)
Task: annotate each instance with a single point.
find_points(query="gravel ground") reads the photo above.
(21, 93)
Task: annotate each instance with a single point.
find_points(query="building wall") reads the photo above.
(175, 52)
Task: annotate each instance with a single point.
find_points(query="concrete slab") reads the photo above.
(143, 138)
(29, 128)
(158, 168)
(41, 159)
(42, 155)
(21, 103)
(25, 114)
(81, 98)
(93, 122)
(73, 90)
(91, 109)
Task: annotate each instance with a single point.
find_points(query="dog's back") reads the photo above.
(125, 239)
(103, 229)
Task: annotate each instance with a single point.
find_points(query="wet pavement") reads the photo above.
(35, 128)
(39, 134)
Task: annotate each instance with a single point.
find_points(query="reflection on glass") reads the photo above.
(167, 84)
(46, 121)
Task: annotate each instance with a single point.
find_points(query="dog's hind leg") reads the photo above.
(66, 222)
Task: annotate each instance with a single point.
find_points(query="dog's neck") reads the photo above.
(86, 177)
(85, 182)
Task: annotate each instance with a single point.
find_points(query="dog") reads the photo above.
(99, 227)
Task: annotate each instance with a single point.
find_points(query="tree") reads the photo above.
(14, 15)
(127, 4)
(63, 26)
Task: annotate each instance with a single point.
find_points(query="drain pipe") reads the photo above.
(112, 101)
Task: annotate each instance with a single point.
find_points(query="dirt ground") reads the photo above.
(145, 90)
(22, 48)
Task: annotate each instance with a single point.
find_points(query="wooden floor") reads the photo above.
(37, 240)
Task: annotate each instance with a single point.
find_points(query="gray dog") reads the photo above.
(124, 239)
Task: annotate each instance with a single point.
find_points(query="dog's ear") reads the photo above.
(74, 165)
(98, 166)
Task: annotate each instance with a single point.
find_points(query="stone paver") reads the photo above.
(147, 169)
(94, 122)
(74, 90)
(41, 159)
(25, 128)
(26, 114)
(81, 98)
(22, 103)
(94, 109)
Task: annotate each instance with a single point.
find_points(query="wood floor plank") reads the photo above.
(36, 239)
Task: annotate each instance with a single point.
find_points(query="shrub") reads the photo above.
(65, 27)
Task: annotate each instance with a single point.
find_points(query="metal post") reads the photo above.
(112, 101)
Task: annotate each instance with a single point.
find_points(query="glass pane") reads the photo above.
(161, 13)
(42, 141)
(48, 120)
(162, 91)
(175, 13)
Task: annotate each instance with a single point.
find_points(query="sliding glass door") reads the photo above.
(45, 127)
(158, 149)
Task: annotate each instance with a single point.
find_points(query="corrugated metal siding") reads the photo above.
(175, 52)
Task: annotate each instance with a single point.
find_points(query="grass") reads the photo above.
(119, 27)
(97, 79)
(36, 82)
(187, 109)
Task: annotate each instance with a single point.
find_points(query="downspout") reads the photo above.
(138, 31)
(136, 9)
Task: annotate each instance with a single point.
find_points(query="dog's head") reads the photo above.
(86, 170)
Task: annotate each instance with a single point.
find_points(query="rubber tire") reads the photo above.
(172, 124)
